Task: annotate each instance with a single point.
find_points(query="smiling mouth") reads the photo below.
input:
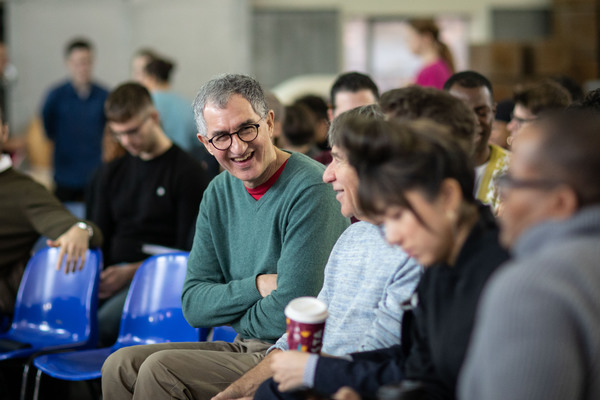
(244, 158)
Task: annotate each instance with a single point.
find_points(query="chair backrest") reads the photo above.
(152, 311)
(56, 307)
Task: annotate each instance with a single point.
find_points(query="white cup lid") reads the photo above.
(308, 310)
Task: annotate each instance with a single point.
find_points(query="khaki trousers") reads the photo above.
(196, 370)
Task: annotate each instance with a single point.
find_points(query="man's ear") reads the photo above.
(565, 202)
(207, 145)
(270, 120)
(330, 113)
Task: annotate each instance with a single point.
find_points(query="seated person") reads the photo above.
(535, 99)
(350, 90)
(541, 311)
(150, 196)
(28, 210)
(265, 229)
(320, 111)
(175, 111)
(298, 131)
(490, 160)
(419, 182)
(360, 262)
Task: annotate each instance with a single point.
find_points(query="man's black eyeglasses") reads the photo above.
(246, 134)
(506, 181)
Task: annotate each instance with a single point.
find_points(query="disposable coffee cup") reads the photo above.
(305, 319)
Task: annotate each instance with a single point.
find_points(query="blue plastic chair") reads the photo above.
(152, 314)
(223, 333)
(53, 310)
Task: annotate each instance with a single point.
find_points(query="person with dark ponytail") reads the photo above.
(438, 63)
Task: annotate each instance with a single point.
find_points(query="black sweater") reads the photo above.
(436, 330)
(141, 202)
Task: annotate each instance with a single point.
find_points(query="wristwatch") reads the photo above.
(85, 227)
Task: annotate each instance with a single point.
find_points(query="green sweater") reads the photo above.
(290, 232)
(28, 210)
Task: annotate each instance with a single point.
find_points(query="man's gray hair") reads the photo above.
(219, 90)
(368, 112)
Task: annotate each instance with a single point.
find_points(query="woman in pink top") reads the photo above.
(437, 60)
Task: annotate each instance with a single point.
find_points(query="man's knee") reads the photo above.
(121, 363)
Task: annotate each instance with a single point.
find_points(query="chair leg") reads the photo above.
(24, 381)
(38, 379)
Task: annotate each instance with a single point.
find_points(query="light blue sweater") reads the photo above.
(365, 281)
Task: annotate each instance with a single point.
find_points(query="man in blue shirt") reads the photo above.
(73, 117)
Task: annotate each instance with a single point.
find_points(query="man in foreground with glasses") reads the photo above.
(265, 229)
(150, 196)
(536, 334)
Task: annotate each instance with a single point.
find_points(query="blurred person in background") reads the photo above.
(73, 117)
(500, 134)
(535, 99)
(298, 131)
(318, 106)
(175, 111)
(438, 63)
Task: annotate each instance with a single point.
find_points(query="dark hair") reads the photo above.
(160, 69)
(414, 102)
(393, 157)
(468, 79)
(428, 26)
(352, 82)
(543, 96)
(338, 126)
(591, 101)
(77, 44)
(568, 152)
(571, 85)
(504, 109)
(127, 101)
(298, 127)
(316, 104)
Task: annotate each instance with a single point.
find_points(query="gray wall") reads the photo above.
(204, 37)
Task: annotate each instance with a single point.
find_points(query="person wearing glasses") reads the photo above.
(535, 99)
(265, 229)
(150, 196)
(537, 328)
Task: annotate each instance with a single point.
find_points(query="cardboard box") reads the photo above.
(499, 59)
(548, 58)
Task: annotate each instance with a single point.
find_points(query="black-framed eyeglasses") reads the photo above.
(223, 141)
(506, 181)
(520, 120)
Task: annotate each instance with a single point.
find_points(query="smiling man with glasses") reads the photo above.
(536, 334)
(150, 196)
(265, 229)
